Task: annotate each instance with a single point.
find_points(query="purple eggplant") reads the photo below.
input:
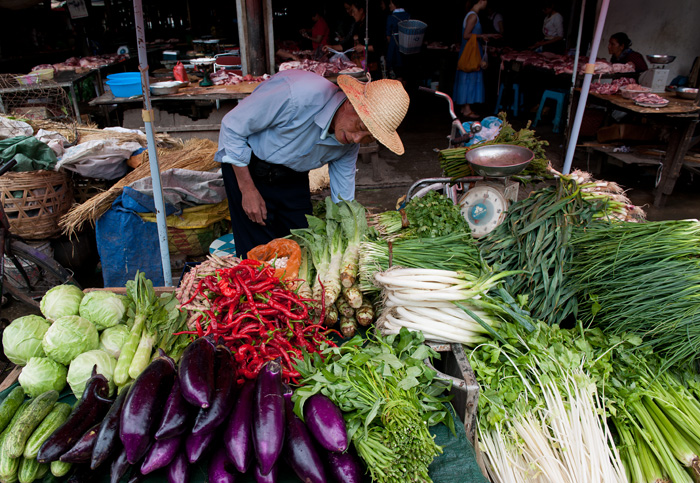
(118, 467)
(238, 434)
(175, 415)
(299, 448)
(268, 416)
(221, 469)
(88, 411)
(270, 477)
(161, 453)
(224, 394)
(81, 452)
(179, 469)
(196, 445)
(197, 372)
(344, 467)
(326, 423)
(143, 407)
(108, 435)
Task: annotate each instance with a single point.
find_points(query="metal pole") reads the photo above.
(590, 69)
(366, 36)
(575, 72)
(147, 115)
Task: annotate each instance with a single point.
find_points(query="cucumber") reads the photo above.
(51, 423)
(29, 469)
(59, 468)
(9, 406)
(9, 466)
(27, 423)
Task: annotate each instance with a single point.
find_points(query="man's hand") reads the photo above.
(253, 204)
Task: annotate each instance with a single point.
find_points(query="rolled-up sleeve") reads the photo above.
(342, 176)
(269, 104)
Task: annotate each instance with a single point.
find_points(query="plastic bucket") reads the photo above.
(411, 34)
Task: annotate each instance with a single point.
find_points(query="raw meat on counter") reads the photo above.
(653, 99)
(84, 63)
(335, 66)
(563, 64)
(612, 87)
(230, 78)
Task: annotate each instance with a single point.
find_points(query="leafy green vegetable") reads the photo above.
(388, 396)
(112, 340)
(80, 370)
(60, 301)
(103, 308)
(21, 340)
(68, 337)
(42, 374)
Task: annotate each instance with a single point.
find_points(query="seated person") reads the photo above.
(619, 49)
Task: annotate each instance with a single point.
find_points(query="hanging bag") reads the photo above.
(470, 60)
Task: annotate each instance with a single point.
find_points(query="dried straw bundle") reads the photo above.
(88, 132)
(195, 154)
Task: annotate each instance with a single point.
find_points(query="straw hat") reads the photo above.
(381, 105)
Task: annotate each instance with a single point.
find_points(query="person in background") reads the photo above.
(319, 31)
(495, 19)
(375, 46)
(294, 122)
(553, 31)
(621, 53)
(345, 27)
(469, 86)
(394, 62)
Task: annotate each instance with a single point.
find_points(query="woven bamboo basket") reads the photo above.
(34, 201)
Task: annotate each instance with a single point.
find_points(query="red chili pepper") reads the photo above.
(198, 291)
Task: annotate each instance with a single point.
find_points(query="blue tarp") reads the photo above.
(126, 243)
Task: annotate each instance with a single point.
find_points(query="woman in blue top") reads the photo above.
(469, 86)
(393, 55)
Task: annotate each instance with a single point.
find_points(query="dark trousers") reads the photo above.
(287, 199)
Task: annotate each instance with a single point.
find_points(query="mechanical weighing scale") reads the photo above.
(488, 195)
(657, 77)
(204, 65)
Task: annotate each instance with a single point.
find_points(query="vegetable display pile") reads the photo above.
(169, 418)
(535, 238)
(258, 318)
(332, 247)
(389, 397)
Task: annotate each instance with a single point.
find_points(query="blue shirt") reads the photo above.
(285, 121)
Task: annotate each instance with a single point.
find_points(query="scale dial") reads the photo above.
(484, 208)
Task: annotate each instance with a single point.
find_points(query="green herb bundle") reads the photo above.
(430, 215)
(389, 398)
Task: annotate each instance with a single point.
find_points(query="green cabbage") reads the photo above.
(42, 374)
(112, 340)
(68, 337)
(60, 301)
(80, 370)
(102, 308)
(21, 340)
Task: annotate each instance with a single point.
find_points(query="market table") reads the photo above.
(681, 115)
(192, 110)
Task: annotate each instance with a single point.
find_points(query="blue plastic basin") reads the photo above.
(124, 76)
(125, 88)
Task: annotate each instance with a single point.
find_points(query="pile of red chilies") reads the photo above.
(258, 318)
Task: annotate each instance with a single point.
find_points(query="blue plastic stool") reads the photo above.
(559, 97)
(517, 99)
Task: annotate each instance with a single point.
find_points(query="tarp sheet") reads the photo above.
(30, 153)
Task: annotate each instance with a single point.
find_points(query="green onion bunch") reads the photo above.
(454, 252)
(642, 279)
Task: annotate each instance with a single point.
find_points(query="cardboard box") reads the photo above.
(626, 132)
